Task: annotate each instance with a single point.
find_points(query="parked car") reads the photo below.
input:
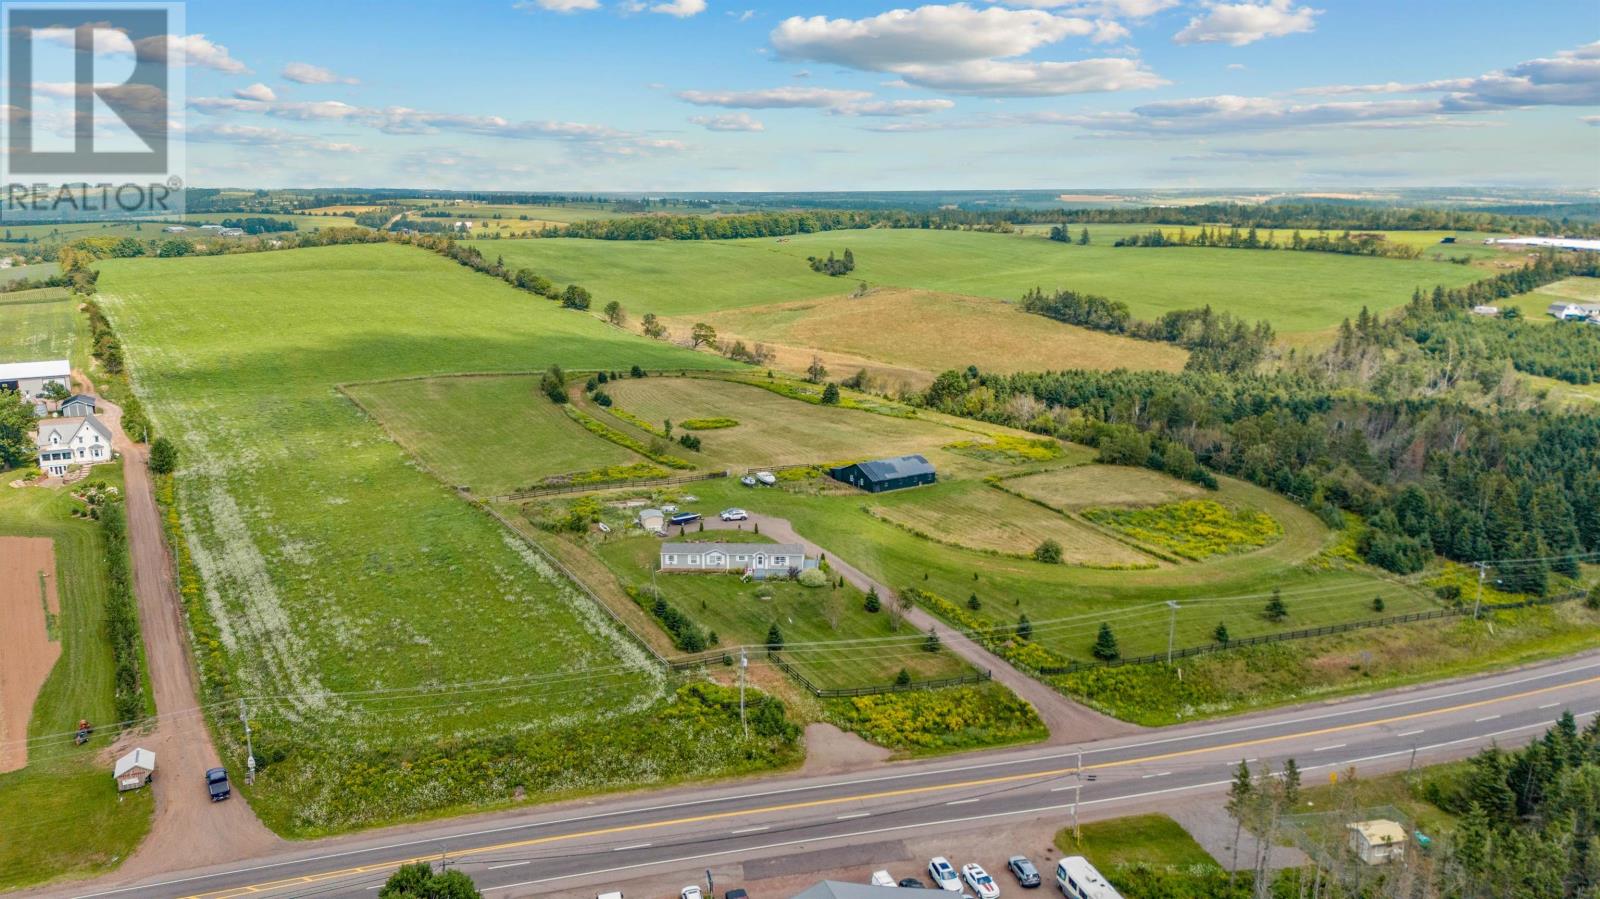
(944, 874)
(669, 508)
(683, 518)
(911, 883)
(614, 894)
(1079, 880)
(734, 515)
(736, 894)
(980, 881)
(1024, 871)
(217, 784)
(748, 480)
(882, 879)
(766, 478)
(690, 892)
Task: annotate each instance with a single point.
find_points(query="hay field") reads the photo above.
(1086, 486)
(35, 327)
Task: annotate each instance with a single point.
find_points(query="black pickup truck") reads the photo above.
(217, 784)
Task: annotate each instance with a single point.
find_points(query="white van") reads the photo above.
(1079, 880)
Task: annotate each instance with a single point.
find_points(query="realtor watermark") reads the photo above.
(94, 112)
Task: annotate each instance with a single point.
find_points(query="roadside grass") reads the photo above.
(973, 515)
(934, 332)
(933, 722)
(1154, 840)
(740, 613)
(329, 562)
(1406, 791)
(33, 329)
(493, 434)
(1295, 291)
(1087, 486)
(61, 814)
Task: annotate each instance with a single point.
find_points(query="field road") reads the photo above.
(1068, 721)
(801, 826)
(188, 828)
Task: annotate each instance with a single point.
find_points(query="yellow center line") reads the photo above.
(864, 797)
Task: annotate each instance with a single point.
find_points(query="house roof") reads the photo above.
(68, 427)
(79, 398)
(1379, 831)
(138, 758)
(838, 889)
(50, 368)
(898, 467)
(783, 549)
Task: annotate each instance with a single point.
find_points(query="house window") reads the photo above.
(743, 558)
(694, 560)
(672, 560)
(780, 560)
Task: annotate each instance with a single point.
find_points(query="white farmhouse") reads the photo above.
(32, 378)
(758, 560)
(65, 442)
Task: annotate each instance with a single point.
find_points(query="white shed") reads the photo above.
(1378, 841)
(135, 769)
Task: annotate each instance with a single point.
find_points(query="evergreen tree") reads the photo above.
(973, 603)
(873, 604)
(1276, 610)
(1024, 627)
(830, 395)
(931, 644)
(1220, 635)
(1083, 237)
(774, 638)
(1105, 644)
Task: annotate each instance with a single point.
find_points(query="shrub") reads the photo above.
(163, 456)
(938, 720)
(689, 442)
(903, 679)
(1048, 552)
(932, 644)
(553, 384)
(1024, 627)
(602, 398)
(1221, 634)
(813, 577)
(636, 372)
(1377, 604)
(974, 603)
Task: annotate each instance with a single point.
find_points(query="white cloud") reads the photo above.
(1570, 78)
(1003, 78)
(683, 9)
(927, 35)
(1126, 9)
(306, 73)
(1591, 120)
(774, 98)
(1236, 67)
(195, 50)
(186, 50)
(1232, 114)
(1238, 24)
(558, 5)
(893, 108)
(258, 92)
(737, 121)
(256, 136)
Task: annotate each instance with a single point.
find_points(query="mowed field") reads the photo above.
(1089, 486)
(35, 326)
(1295, 291)
(331, 563)
(1533, 304)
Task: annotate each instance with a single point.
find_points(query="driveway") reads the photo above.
(1067, 721)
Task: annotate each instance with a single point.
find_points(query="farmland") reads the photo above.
(35, 325)
(1295, 291)
(325, 562)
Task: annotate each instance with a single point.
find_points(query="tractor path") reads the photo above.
(1068, 721)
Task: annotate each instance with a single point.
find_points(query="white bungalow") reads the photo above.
(760, 560)
(65, 442)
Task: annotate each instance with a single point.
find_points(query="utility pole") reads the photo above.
(249, 750)
(744, 662)
(1478, 603)
(1172, 629)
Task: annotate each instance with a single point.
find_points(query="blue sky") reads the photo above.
(717, 95)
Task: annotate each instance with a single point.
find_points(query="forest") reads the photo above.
(1216, 341)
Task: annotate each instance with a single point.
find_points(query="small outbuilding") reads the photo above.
(652, 520)
(135, 769)
(887, 474)
(1489, 311)
(1378, 842)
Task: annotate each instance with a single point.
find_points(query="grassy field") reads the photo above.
(36, 272)
(1087, 486)
(933, 332)
(32, 328)
(974, 515)
(1139, 839)
(494, 434)
(1532, 305)
(740, 613)
(330, 562)
(60, 815)
(1295, 291)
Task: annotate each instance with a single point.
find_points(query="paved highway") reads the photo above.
(578, 845)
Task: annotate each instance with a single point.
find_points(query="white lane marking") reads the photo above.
(1157, 774)
(1409, 733)
(1548, 705)
(1327, 748)
(1060, 789)
(508, 865)
(634, 846)
(757, 829)
(851, 815)
(976, 766)
(963, 801)
(1485, 718)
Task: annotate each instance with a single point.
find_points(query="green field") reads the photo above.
(1295, 291)
(1533, 304)
(1086, 486)
(60, 814)
(34, 328)
(330, 562)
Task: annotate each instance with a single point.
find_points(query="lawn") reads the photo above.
(1139, 839)
(1295, 291)
(331, 562)
(494, 434)
(35, 326)
(60, 813)
(740, 613)
(974, 515)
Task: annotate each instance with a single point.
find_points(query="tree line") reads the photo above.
(1348, 243)
(1216, 341)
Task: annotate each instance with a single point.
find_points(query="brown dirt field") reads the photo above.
(29, 652)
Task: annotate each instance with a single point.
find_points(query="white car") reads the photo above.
(882, 879)
(689, 892)
(734, 515)
(944, 874)
(669, 508)
(980, 881)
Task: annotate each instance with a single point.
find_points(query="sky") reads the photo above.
(681, 95)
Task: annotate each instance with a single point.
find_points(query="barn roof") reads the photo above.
(51, 368)
(898, 467)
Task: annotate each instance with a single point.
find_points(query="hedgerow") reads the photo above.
(951, 718)
(601, 429)
(631, 472)
(708, 424)
(122, 619)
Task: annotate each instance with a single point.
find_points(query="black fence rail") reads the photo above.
(833, 693)
(1303, 634)
(555, 489)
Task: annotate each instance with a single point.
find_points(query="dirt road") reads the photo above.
(28, 603)
(1068, 721)
(188, 828)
